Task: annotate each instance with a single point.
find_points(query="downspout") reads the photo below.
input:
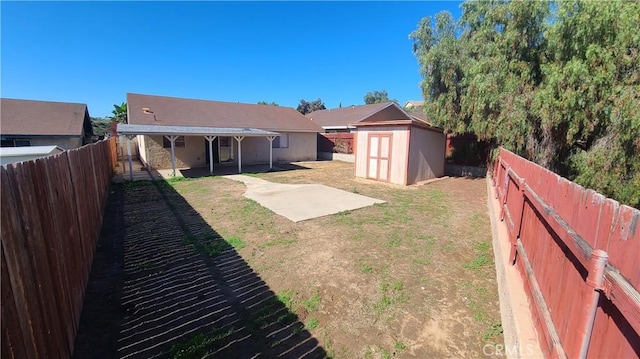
(594, 280)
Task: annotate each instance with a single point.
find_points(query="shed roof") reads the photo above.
(346, 116)
(172, 111)
(41, 118)
(124, 129)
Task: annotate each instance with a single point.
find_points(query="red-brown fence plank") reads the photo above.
(624, 244)
(51, 218)
(12, 337)
(19, 269)
(561, 225)
(47, 207)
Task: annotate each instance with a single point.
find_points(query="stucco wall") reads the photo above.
(192, 155)
(399, 146)
(255, 150)
(142, 150)
(426, 155)
(62, 142)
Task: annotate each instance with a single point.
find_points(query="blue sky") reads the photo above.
(96, 52)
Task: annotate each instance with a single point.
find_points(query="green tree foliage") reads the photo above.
(377, 97)
(119, 113)
(100, 126)
(267, 103)
(556, 83)
(307, 107)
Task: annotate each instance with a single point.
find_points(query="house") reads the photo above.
(184, 133)
(338, 120)
(44, 123)
(26, 153)
(413, 104)
(398, 148)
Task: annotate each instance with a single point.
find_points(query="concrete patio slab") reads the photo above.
(299, 202)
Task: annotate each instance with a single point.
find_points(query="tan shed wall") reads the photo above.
(399, 147)
(255, 150)
(426, 155)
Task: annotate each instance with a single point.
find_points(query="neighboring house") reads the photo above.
(43, 123)
(413, 104)
(399, 148)
(21, 154)
(196, 131)
(343, 119)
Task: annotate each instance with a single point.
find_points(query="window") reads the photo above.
(167, 144)
(281, 141)
(15, 142)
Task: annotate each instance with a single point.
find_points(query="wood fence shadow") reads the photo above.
(166, 284)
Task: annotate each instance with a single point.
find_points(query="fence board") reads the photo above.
(51, 218)
(12, 339)
(19, 270)
(46, 259)
(561, 225)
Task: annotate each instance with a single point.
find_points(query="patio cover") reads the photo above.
(209, 133)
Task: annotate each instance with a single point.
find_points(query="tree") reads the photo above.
(266, 103)
(377, 97)
(307, 107)
(119, 113)
(100, 126)
(558, 84)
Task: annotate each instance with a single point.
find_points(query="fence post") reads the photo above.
(590, 305)
(518, 222)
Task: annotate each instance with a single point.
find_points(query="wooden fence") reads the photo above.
(579, 255)
(52, 211)
(336, 142)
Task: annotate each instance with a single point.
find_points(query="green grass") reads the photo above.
(236, 242)
(365, 268)
(312, 303)
(312, 323)
(143, 265)
(481, 259)
(391, 294)
(197, 345)
(494, 330)
(207, 244)
(286, 298)
(399, 346)
(280, 242)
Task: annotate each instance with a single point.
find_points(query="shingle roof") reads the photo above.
(420, 116)
(345, 116)
(28, 117)
(172, 111)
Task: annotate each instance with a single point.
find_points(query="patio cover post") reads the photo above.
(210, 139)
(173, 139)
(271, 138)
(129, 137)
(239, 139)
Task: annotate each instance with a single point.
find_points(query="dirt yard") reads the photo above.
(191, 268)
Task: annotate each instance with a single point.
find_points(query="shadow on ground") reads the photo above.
(165, 284)
(223, 170)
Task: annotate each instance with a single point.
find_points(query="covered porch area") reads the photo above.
(172, 134)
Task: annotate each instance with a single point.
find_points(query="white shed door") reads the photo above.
(379, 156)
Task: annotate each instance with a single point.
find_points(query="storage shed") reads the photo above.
(403, 151)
